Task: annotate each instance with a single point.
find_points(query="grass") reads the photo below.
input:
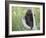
(18, 12)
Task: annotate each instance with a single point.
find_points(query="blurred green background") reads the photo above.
(18, 12)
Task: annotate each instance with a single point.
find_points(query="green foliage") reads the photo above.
(37, 17)
(17, 13)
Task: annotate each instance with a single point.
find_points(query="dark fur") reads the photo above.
(29, 18)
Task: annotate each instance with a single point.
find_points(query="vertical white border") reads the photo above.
(25, 32)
